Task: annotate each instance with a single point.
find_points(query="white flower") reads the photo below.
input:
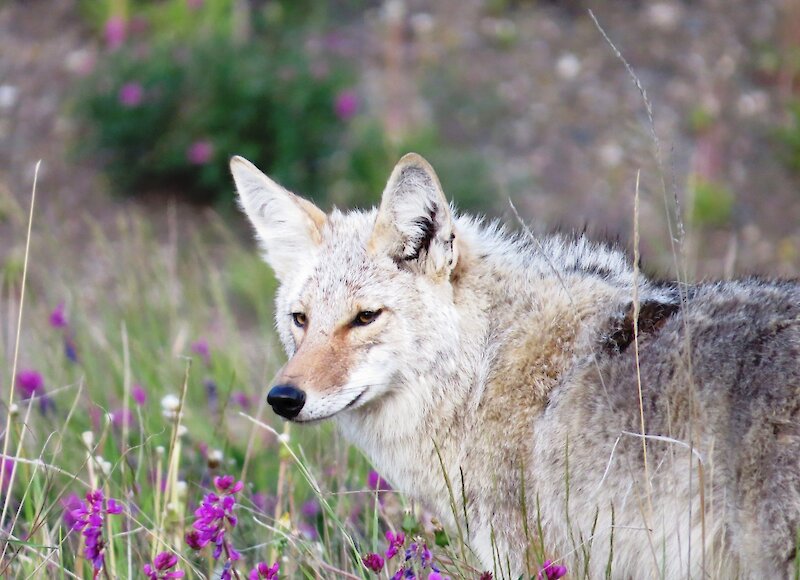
(170, 402)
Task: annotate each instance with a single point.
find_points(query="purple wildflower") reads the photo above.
(30, 383)
(70, 349)
(310, 509)
(346, 104)
(373, 562)
(425, 556)
(486, 576)
(71, 503)
(211, 394)
(377, 483)
(122, 418)
(116, 30)
(195, 4)
(396, 542)
(139, 394)
(160, 569)
(401, 572)
(58, 319)
(264, 572)
(8, 472)
(131, 94)
(200, 347)
(308, 531)
(264, 503)
(241, 399)
(200, 152)
(89, 517)
(214, 517)
(551, 571)
(337, 43)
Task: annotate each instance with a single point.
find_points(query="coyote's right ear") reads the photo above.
(286, 225)
(414, 224)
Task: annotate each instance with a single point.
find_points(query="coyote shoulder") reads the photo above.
(630, 428)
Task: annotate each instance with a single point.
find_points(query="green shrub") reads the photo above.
(173, 116)
(712, 203)
(167, 106)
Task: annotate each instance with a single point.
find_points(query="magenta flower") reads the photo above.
(89, 517)
(116, 30)
(8, 472)
(396, 542)
(71, 503)
(310, 509)
(58, 319)
(551, 571)
(120, 418)
(241, 399)
(214, 519)
(264, 572)
(377, 483)
(373, 562)
(30, 383)
(139, 394)
(200, 347)
(346, 104)
(200, 152)
(131, 94)
(161, 568)
(486, 576)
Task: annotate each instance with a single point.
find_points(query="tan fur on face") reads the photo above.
(322, 363)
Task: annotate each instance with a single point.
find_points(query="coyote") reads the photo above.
(629, 428)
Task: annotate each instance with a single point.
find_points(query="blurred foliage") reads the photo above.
(700, 119)
(364, 164)
(185, 84)
(169, 110)
(789, 136)
(712, 202)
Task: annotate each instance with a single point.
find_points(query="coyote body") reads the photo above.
(527, 371)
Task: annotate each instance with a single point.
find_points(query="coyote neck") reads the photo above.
(495, 386)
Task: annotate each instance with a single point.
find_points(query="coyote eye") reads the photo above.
(366, 317)
(300, 319)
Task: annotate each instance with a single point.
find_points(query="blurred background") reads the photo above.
(140, 261)
(136, 105)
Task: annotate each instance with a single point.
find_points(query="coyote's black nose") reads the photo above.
(286, 400)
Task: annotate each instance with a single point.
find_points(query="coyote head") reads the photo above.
(359, 291)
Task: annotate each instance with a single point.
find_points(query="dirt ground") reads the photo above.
(534, 86)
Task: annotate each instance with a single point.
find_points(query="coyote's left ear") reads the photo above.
(414, 224)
